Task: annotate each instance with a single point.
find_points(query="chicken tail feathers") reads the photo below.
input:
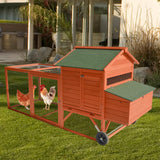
(19, 94)
(23, 99)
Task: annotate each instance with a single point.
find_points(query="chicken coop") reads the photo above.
(95, 82)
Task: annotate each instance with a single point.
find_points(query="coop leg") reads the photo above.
(7, 87)
(95, 125)
(30, 83)
(108, 123)
(39, 83)
(103, 125)
(60, 116)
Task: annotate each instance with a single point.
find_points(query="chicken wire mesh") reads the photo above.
(19, 93)
(19, 81)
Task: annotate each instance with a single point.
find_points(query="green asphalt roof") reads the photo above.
(130, 90)
(95, 59)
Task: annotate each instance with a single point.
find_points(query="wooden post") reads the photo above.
(60, 104)
(7, 87)
(39, 83)
(57, 26)
(31, 96)
(30, 26)
(85, 21)
(110, 21)
(91, 14)
(73, 24)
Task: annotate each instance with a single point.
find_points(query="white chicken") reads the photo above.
(47, 97)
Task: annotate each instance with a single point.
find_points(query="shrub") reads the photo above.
(45, 19)
(154, 80)
(144, 45)
(12, 21)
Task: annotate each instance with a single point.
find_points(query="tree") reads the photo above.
(45, 18)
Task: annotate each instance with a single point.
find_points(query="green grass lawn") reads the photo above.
(25, 138)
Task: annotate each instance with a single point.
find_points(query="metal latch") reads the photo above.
(82, 75)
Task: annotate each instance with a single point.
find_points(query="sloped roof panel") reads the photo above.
(130, 90)
(95, 59)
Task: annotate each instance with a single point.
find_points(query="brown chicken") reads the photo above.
(47, 97)
(23, 99)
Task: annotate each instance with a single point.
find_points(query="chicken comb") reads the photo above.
(42, 85)
(35, 86)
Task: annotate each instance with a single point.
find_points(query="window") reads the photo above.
(119, 78)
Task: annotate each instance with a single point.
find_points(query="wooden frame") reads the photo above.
(85, 92)
(61, 118)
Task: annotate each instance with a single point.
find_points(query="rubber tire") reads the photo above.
(102, 138)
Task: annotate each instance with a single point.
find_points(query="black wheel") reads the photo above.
(134, 122)
(102, 138)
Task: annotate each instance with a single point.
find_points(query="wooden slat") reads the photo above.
(91, 109)
(141, 105)
(116, 119)
(121, 60)
(93, 98)
(90, 92)
(71, 78)
(94, 78)
(71, 96)
(94, 106)
(71, 82)
(69, 69)
(135, 117)
(121, 108)
(82, 111)
(92, 83)
(92, 88)
(65, 86)
(111, 96)
(119, 70)
(117, 113)
(91, 102)
(92, 72)
(71, 93)
(71, 102)
(117, 102)
(69, 73)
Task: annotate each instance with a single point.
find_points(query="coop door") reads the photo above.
(71, 88)
(91, 93)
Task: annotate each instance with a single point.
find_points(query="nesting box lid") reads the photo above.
(95, 58)
(130, 90)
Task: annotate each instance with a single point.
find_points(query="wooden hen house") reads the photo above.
(96, 82)
(99, 82)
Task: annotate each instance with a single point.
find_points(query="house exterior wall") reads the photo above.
(137, 14)
(10, 11)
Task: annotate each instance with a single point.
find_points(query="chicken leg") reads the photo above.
(48, 107)
(45, 107)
